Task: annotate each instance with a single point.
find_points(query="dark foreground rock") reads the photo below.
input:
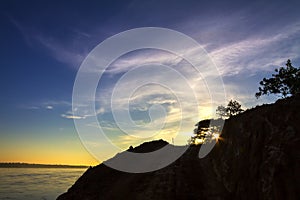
(256, 158)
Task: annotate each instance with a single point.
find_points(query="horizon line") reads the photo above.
(24, 164)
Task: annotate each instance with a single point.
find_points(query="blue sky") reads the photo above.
(44, 43)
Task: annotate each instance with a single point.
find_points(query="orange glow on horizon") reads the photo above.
(53, 152)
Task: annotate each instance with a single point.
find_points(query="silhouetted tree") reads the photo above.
(222, 111)
(234, 108)
(206, 130)
(200, 131)
(286, 81)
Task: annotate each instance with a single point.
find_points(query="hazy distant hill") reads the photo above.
(27, 165)
(257, 158)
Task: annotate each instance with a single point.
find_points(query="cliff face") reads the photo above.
(257, 157)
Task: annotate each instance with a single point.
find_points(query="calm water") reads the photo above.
(36, 183)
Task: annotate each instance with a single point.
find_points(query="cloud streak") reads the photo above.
(62, 53)
(69, 116)
(256, 54)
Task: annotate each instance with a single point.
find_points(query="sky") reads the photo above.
(44, 43)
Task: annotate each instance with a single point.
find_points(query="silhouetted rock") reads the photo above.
(149, 146)
(257, 157)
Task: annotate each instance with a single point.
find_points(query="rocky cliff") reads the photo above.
(257, 157)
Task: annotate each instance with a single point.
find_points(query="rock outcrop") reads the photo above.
(257, 157)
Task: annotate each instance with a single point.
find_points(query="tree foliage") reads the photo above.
(232, 108)
(209, 129)
(286, 81)
(206, 130)
(222, 111)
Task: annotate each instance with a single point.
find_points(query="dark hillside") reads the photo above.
(257, 157)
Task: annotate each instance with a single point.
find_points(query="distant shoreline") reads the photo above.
(29, 165)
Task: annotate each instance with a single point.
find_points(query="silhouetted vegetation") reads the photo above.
(207, 130)
(232, 108)
(210, 129)
(222, 111)
(286, 81)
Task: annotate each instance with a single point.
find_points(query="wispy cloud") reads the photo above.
(146, 57)
(22, 29)
(49, 107)
(71, 51)
(70, 116)
(256, 54)
(28, 107)
(62, 53)
(247, 57)
(56, 103)
(177, 91)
